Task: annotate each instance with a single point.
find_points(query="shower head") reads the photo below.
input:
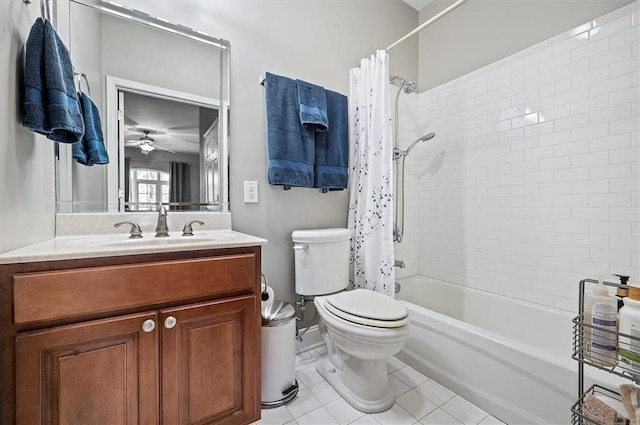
(397, 153)
(407, 86)
(410, 86)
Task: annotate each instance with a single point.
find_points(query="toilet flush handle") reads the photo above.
(303, 247)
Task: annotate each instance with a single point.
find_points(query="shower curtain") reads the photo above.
(371, 179)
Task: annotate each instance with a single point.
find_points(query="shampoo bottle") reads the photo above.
(629, 339)
(604, 320)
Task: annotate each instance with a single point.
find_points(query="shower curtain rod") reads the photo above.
(428, 22)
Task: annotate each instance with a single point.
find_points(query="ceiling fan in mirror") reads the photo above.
(146, 144)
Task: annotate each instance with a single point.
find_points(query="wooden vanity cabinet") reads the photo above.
(169, 339)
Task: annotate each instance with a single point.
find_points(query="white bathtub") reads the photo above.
(511, 358)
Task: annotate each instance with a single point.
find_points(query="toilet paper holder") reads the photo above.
(264, 285)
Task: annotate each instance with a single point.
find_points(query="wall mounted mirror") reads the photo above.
(163, 94)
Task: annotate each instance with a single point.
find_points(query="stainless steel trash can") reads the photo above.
(279, 385)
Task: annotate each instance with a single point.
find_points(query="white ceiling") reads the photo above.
(172, 125)
(418, 4)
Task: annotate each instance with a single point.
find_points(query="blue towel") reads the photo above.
(313, 106)
(90, 150)
(332, 147)
(50, 106)
(291, 146)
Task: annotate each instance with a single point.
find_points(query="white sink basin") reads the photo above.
(167, 241)
(149, 241)
(152, 241)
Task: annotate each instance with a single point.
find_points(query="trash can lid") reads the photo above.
(277, 313)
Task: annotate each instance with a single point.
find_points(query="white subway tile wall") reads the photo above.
(532, 182)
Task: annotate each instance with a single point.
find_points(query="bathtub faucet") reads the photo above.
(399, 263)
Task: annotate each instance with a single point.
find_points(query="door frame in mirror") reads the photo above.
(115, 169)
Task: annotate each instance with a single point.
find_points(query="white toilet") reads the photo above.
(360, 328)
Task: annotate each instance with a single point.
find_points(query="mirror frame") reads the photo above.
(64, 176)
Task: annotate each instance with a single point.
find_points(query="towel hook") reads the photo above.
(45, 13)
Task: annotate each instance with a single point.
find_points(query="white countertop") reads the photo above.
(108, 245)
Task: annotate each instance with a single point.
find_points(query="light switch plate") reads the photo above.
(250, 192)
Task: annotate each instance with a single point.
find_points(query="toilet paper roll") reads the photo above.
(267, 297)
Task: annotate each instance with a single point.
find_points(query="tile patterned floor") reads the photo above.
(420, 400)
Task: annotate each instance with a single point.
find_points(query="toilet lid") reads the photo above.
(368, 308)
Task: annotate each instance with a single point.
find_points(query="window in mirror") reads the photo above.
(148, 188)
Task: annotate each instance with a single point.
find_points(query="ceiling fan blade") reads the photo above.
(192, 127)
(130, 122)
(161, 148)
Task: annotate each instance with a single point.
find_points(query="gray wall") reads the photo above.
(482, 31)
(27, 203)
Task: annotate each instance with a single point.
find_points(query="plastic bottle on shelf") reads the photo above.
(629, 345)
(604, 318)
(586, 320)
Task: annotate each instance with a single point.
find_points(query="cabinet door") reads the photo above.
(210, 356)
(99, 372)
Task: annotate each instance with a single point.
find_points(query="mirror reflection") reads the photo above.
(169, 149)
(162, 91)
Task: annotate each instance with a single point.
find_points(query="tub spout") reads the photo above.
(399, 263)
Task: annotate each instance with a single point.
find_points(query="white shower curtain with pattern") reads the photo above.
(371, 178)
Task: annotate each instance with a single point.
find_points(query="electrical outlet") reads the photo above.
(250, 192)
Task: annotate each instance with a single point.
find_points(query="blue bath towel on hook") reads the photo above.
(90, 150)
(51, 105)
(312, 100)
(332, 147)
(291, 146)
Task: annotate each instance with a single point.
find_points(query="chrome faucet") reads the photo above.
(134, 233)
(188, 229)
(399, 263)
(161, 229)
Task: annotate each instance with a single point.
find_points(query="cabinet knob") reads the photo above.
(170, 322)
(148, 325)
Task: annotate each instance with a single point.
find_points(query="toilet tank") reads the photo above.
(321, 260)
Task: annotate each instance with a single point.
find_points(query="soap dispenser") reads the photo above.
(623, 292)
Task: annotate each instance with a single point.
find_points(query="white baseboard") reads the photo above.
(310, 340)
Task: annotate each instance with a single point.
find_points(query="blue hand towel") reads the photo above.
(51, 106)
(90, 150)
(313, 106)
(291, 146)
(332, 147)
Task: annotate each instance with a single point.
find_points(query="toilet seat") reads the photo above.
(368, 308)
